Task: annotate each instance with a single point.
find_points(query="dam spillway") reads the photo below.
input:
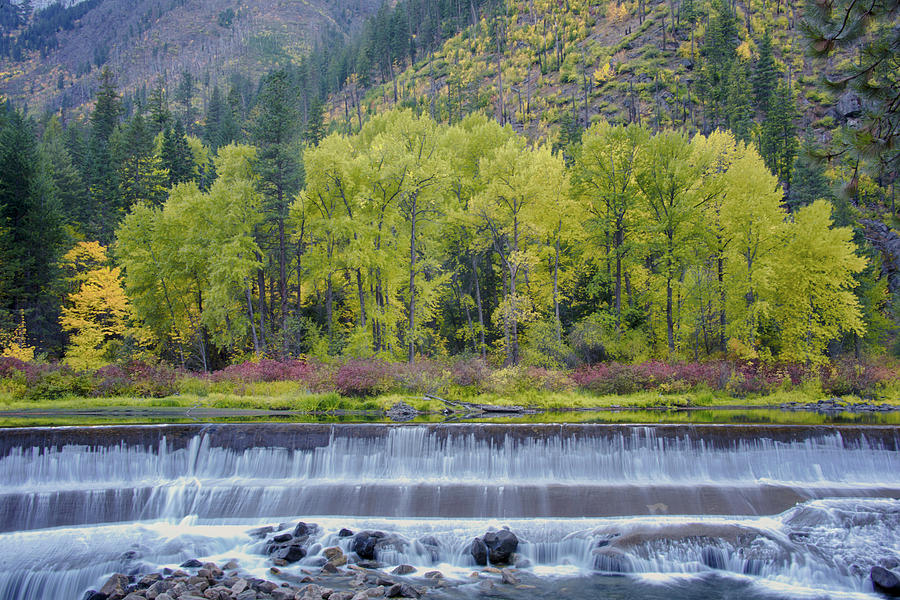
(803, 507)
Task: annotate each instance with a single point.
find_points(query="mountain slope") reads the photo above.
(144, 39)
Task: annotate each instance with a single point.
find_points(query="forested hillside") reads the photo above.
(547, 184)
(51, 58)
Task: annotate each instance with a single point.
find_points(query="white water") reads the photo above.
(162, 506)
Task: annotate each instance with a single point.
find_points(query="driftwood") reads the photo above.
(458, 406)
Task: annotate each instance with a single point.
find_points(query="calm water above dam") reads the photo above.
(601, 511)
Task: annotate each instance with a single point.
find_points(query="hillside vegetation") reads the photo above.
(547, 184)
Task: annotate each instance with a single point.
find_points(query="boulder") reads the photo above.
(148, 580)
(849, 105)
(479, 551)
(114, 588)
(304, 528)
(345, 533)
(282, 594)
(239, 586)
(507, 576)
(282, 537)
(402, 590)
(885, 581)
(291, 553)
(364, 543)
(260, 532)
(403, 570)
(192, 563)
(501, 545)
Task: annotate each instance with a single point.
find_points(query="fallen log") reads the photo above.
(472, 407)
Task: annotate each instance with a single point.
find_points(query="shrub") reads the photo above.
(363, 378)
(470, 373)
(264, 370)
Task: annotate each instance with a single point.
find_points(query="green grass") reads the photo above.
(289, 396)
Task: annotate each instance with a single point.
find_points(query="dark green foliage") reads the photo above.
(66, 179)
(160, 116)
(315, 128)
(176, 156)
(739, 105)
(718, 54)
(140, 176)
(220, 128)
(103, 174)
(183, 94)
(778, 135)
(226, 18)
(765, 74)
(31, 234)
(808, 182)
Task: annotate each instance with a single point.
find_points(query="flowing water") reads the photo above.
(602, 511)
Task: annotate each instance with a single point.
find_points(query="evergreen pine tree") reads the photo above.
(160, 117)
(765, 74)
(31, 234)
(274, 132)
(315, 127)
(176, 156)
(141, 175)
(808, 181)
(778, 134)
(739, 104)
(718, 53)
(104, 184)
(65, 178)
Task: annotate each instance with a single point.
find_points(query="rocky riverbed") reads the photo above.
(332, 574)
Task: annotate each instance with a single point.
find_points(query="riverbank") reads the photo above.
(280, 398)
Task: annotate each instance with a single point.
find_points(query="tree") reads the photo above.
(604, 176)
(274, 132)
(31, 234)
(667, 175)
(871, 29)
(765, 74)
(778, 135)
(808, 181)
(97, 310)
(718, 53)
(520, 185)
(68, 186)
(104, 183)
(815, 279)
(188, 264)
(141, 173)
(160, 115)
(175, 156)
(754, 222)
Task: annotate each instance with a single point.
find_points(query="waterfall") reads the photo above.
(808, 508)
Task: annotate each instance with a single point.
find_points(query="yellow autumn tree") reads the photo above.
(14, 345)
(97, 310)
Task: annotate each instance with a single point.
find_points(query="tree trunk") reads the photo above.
(252, 324)
(618, 239)
(556, 292)
(478, 303)
(362, 298)
(282, 279)
(261, 288)
(411, 342)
